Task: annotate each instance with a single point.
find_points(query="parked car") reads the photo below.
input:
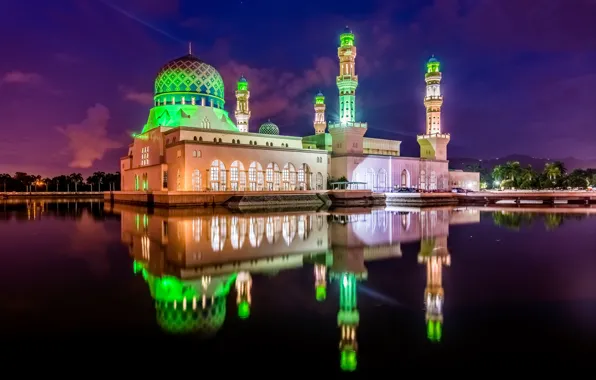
(460, 190)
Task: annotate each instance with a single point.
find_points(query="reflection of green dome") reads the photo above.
(269, 128)
(190, 76)
(174, 318)
(179, 303)
(243, 310)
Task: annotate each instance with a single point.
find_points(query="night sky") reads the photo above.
(76, 76)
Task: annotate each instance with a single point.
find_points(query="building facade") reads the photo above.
(190, 143)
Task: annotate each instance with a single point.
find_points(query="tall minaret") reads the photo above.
(347, 134)
(242, 109)
(319, 123)
(347, 80)
(433, 144)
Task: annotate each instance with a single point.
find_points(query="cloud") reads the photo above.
(280, 93)
(20, 77)
(142, 98)
(88, 140)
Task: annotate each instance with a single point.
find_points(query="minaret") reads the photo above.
(242, 112)
(347, 80)
(434, 253)
(243, 290)
(433, 144)
(319, 123)
(347, 134)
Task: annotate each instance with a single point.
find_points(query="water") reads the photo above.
(405, 286)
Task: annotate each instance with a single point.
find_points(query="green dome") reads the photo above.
(269, 128)
(432, 59)
(192, 78)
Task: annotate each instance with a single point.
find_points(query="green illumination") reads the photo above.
(242, 84)
(320, 99)
(243, 310)
(434, 331)
(321, 293)
(349, 360)
(346, 39)
(347, 291)
(184, 307)
(433, 66)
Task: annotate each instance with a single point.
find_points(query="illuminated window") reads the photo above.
(145, 156)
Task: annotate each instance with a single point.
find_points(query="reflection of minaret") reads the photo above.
(320, 282)
(243, 288)
(348, 267)
(434, 253)
(348, 319)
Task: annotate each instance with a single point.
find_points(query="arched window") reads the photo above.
(196, 180)
(237, 176)
(370, 179)
(217, 176)
(220, 140)
(255, 176)
(288, 177)
(272, 177)
(423, 179)
(304, 177)
(195, 138)
(233, 141)
(382, 180)
(200, 138)
(433, 180)
(405, 178)
(319, 181)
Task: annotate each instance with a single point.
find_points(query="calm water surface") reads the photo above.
(347, 289)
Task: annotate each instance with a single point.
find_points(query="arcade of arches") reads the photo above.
(255, 177)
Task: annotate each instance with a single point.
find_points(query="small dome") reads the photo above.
(347, 30)
(269, 128)
(432, 59)
(242, 79)
(320, 94)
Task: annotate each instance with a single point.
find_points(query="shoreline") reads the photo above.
(316, 199)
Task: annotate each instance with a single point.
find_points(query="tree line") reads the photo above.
(98, 181)
(554, 175)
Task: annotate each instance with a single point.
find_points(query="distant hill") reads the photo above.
(571, 163)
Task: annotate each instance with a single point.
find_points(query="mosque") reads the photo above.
(190, 143)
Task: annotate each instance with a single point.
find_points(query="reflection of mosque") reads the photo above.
(179, 253)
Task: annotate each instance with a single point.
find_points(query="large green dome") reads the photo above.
(189, 80)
